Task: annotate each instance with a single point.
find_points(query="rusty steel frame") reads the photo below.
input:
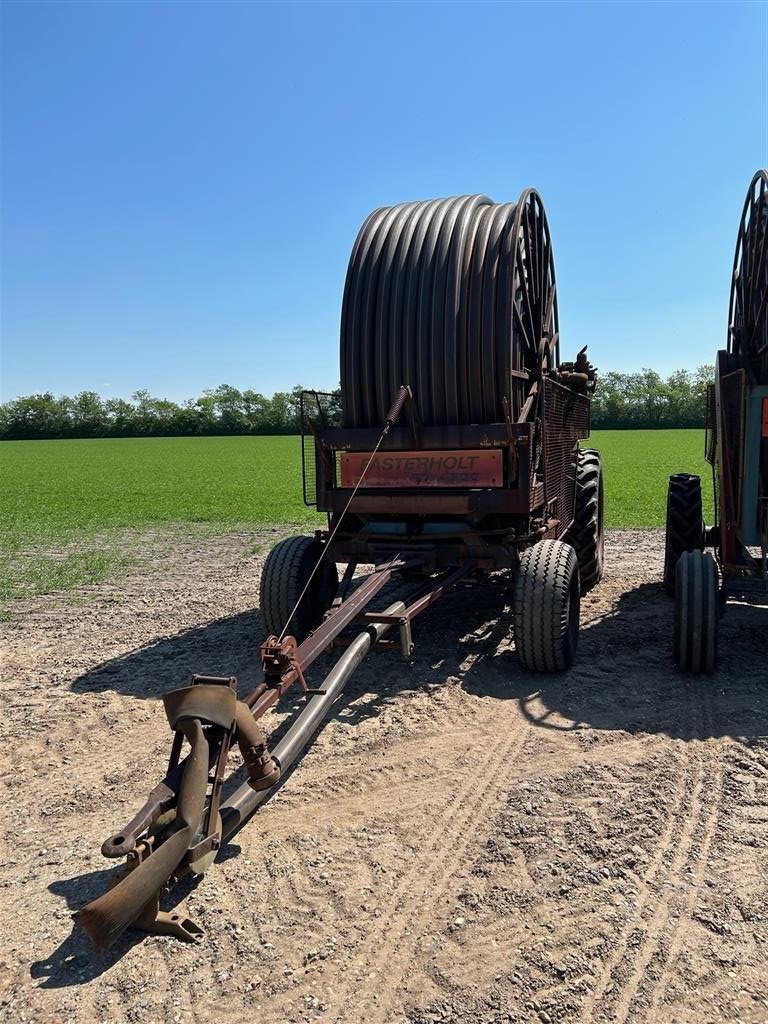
(284, 664)
(746, 354)
(182, 824)
(492, 522)
(736, 563)
(184, 821)
(728, 514)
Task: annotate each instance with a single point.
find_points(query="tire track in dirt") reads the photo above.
(621, 950)
(388, 947)
(712, 769)
(357, 778)
(420, 787)
(689, 830)
(705, 806)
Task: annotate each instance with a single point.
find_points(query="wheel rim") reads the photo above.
(748, 315)
(535, 299)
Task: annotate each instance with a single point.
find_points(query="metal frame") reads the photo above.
(737, 449)
(446, 525)
(284, 663)
(497, 359)
(457, 532)
(735, 457)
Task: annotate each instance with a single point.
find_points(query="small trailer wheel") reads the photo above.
(697, 609)
(685, 525)
(546, 599)
(286, 572)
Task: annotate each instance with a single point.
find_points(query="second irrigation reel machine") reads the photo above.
(457, 456)
(737, 448)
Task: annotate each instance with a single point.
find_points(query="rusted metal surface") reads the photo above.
(321, 639)
(488, 435)
(160, 800)
(107, 917)
(207, 701)
(407, 502)
(425, 468)
(729, 400)
(180, 828)
(565, 416)
(432, 590)
(263, 773)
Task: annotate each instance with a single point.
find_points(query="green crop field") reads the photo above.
(64, 501)
(638, 464)
(66, 504)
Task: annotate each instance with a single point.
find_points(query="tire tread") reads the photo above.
(541, 599)
(696, 612)
(685, 525)
(586, 532)
(285, 573)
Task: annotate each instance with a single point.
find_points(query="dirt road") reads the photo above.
(463, 842)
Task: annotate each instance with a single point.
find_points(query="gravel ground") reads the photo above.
(463, 842)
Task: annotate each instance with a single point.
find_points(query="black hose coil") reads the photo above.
(453, 297)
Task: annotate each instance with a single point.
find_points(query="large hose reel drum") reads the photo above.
(748, 318)
(455, 298)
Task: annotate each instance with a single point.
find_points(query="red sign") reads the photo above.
(765, 417)
(482, 468)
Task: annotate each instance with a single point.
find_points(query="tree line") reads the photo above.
(647, 401)
(621, 401)
(221, 410)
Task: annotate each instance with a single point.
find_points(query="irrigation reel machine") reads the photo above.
(457, 456)
(736, 446)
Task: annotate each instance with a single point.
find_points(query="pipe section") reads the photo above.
(245, 800)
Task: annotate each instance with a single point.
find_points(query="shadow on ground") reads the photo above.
(623, 680)
(224, 647)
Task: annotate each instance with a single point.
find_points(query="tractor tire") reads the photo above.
(545, 606)
(286, 572)
(685, 524)
(697, 609)
(586, 535)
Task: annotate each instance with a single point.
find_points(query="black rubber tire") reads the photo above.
(697, 609)
(685, 523)
(586, 535)
(285, 574)
(545, 606)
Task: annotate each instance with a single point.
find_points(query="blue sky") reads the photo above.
(182, 183)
